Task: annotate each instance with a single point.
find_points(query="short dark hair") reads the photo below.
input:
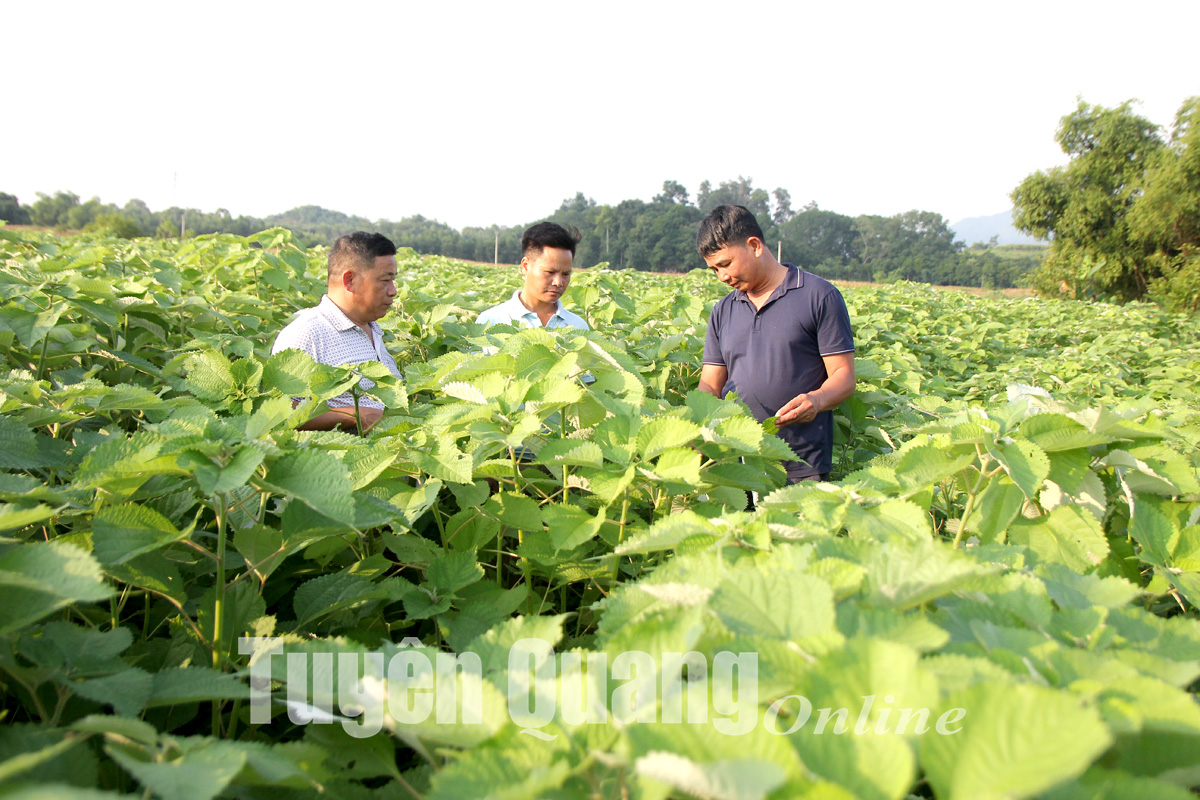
(726, 225)
(537, 238)
(358, 251)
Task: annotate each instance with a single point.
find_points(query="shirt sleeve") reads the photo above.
(834, 335)
(712, 339)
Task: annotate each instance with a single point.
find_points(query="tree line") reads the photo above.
(1123, 216)
(659, 235)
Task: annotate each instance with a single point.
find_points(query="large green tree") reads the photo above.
(12, 211)
(1166, 217)
(1084, 207)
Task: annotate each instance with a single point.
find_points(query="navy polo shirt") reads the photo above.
(774, 353)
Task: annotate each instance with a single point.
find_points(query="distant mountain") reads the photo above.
(982, 229)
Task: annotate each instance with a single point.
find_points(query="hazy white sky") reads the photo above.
(474, 113)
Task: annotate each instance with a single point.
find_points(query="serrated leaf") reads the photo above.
(210, 375)
(928, 464)
(40, 578)
(464, 391)
(663, 433)
(198, 774)
(17, 444)
(1067, 535)
(678, 465)
(996, 507)
(126, 691)
(288, 372)
(317, 479)
(742, 434)
(449, 573)
(903, 575)
(731, 779)
(779, 604)
(514, 510)
(331, 593)
(570, 526)
(568, 452)
(1015, 741)
(1025, 463)
(194, 684)
(1055, 432)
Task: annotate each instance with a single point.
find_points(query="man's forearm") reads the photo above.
(836, 389)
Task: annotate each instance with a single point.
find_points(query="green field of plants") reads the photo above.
(1010, 545)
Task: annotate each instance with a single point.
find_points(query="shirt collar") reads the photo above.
(338, 319)
(519, 309)
(793, 279)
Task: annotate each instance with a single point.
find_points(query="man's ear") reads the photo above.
(524, 264)
(755, 245)
(348, 280)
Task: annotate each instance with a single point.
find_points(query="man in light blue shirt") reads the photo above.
(547, 257)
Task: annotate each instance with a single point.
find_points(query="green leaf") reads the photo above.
(663, 433)
(928, 464)
(210, 375)
(367, 463)
(514, 510)
(494, 646)
(194, 684)
(1055, 432)
(730, 779)
(568, 452)
(317, 479)
(679, 465)
(288, 372)
(1154, 531)
(200, 773)
(742, 434)
(570, 526)
(17, 444)
(120, 533)
(449, 573)
(332, 593)
(40, 578)
(262, 547)
(1025, 463)
(1015, 741)
(126, 691)
(995, 508)
(779, 604)
(888, 519)
(150, 572)
(1068, 535)
(902, 575)
(13, 517)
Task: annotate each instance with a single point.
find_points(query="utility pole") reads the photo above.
(496, 255)
(779, 253)
(605, 240)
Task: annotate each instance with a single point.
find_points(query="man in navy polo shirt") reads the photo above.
(781, 339)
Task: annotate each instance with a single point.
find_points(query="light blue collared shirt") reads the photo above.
(514, 312)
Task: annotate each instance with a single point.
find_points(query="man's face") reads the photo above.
(374, 290)
(736, 266)
(547, 275)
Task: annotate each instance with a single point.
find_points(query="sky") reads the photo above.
(481, 113)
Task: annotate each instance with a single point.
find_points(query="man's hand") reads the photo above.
(837, 387)
(343, 418)
(801, 408)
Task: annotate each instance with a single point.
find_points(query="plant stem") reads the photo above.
(219, 604)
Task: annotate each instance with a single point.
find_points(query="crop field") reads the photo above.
(535, 577)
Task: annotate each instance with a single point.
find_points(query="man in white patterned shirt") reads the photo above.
(342, 329)
(547, 257)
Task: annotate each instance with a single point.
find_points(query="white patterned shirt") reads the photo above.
(514, 312)
(330, 337)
